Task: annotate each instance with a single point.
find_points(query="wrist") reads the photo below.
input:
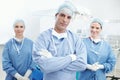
(18, 76)
(89, 66)
(27, 74)
(73, 57)
(101, 66)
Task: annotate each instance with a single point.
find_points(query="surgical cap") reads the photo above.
(19, 21)
(67, 7)
(99, 21)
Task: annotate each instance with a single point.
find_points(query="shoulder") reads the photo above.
(72, 34)
(74, 37)
(86, 39)
(28, 40)
(46, 33)
(9, 41)
(107, 44)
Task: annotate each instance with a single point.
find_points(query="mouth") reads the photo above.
(63, 24)
(19, 32)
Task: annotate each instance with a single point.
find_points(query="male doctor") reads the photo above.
(58, 51)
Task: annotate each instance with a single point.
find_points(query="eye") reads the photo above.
(92, 27)
(69, 17)
(21, 26)
(62, 15)
(16, 26)
(97, 28)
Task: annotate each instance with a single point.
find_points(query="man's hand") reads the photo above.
(45, 53)
(73, 57)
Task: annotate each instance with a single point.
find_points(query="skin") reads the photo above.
(95, 30)
(19, 30)
(62, 21)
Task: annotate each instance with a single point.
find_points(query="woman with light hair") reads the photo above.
(100, 57)
(17, 55)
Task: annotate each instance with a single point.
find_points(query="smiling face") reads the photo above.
(95, 29)
(62, 21)
(19, 29)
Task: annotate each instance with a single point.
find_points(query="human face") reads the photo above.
(62, 21)
(19, 29)
(95, 30)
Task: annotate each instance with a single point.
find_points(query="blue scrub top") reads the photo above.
(14, 61)
(98, 52)
(60, 66)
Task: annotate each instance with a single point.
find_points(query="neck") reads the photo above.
(19, 36)
(95, 37)
(59, 31)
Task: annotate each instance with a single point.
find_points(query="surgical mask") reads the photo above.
(55, 47)
(18, 40)
(98, 42)
(59, 35)
(16, 46)
(95, 40)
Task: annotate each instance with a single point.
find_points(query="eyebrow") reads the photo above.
(65, 15)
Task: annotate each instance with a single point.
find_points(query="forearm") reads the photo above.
(78, 65)
(110, 63)
(53, 64)
(108, 67)
(8, 68)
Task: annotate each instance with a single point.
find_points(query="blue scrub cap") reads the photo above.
(19, 21)
(68, 6)
(97, 20)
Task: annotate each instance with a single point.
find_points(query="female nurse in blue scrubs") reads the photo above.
(100, 57)
(17, 55)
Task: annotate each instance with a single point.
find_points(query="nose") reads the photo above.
(65, 19)
(93, 29)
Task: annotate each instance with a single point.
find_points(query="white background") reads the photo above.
(29, 10)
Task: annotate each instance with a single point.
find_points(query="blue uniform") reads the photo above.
(37, 74)
(98, 52)
(60, 66)
(17, 57)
